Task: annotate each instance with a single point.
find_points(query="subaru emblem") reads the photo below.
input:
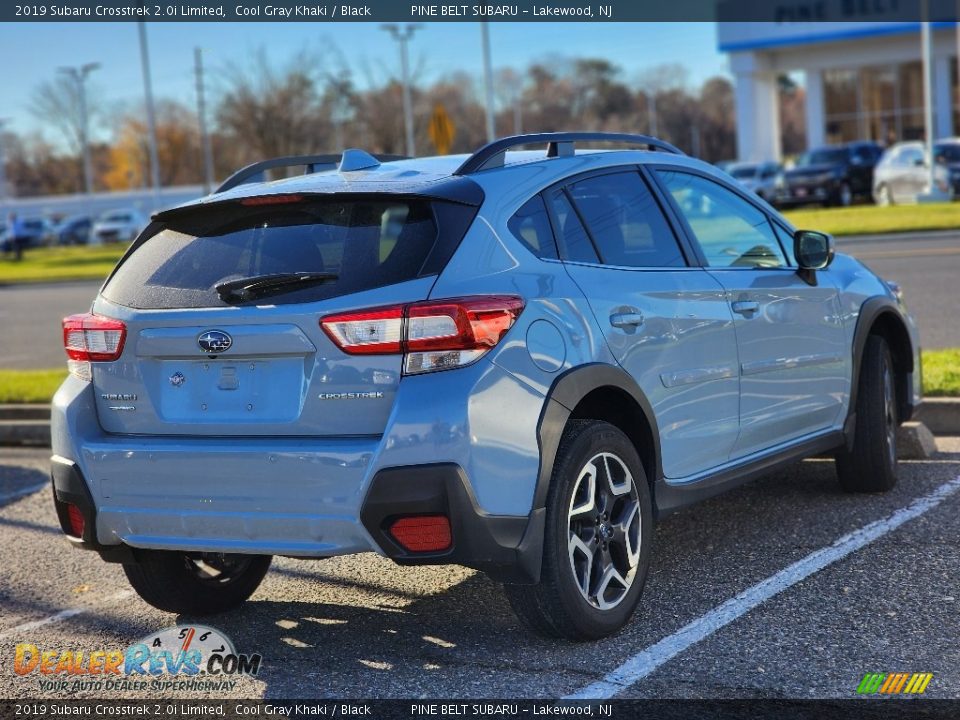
(214, 341)
(177, 379)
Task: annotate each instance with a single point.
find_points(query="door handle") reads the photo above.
(745, 307)
(626, 320)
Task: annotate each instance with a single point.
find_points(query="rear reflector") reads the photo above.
(422, 533)
(91, 338)
(433, 335)
(75, 517)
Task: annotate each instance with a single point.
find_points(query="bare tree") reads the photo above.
(273, 111)
(57, 102)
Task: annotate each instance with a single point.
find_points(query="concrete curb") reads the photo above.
(30, 424)
(941, 415)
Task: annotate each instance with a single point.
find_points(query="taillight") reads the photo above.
(370, 332)
(91, 338)
(432, 335)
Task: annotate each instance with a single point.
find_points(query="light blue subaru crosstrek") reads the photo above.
(514, 361)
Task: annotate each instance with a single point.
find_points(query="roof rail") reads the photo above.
(313, 163)
(559, 144)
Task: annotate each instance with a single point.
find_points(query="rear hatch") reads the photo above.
(222, 306)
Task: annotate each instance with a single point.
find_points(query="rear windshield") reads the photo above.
(366, 243)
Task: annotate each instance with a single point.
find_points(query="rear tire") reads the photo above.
(884, 196)
(870, 465)
(597, 541)
(844, 196)
(195, 583)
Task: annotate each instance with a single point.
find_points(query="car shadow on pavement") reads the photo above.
(312, 649)
(18, 482)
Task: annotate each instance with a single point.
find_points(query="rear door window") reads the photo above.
(365, 243)
(625, 221)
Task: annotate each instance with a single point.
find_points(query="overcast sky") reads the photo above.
(31, 53)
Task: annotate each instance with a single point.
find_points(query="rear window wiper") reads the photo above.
(260, 285)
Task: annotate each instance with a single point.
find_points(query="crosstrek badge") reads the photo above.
(372, 395)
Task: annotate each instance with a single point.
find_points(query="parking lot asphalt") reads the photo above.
(362, 627)
(926, 266)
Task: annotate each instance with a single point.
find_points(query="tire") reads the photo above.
(884, 196)
(195, 583)
(870, 465)
(577, 507)
(844, 197)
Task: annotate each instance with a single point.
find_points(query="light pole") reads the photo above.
(79, 77)
(202, 117)
(652, 111)
(402, 36)
(488, 80)
(151, 117)
(932, 192)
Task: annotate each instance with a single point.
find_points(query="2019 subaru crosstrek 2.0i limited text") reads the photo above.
(514, 361)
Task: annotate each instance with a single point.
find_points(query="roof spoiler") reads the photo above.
(559, 144)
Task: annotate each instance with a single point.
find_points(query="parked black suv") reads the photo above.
(830, 175)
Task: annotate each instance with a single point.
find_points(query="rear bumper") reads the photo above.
(314, 497)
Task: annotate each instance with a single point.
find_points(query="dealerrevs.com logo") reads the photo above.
(184, 657)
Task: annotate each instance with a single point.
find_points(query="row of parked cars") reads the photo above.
(839, 175)
(113, 226)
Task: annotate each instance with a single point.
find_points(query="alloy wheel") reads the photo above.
(603, 531)
(890, 414)
(216, 568)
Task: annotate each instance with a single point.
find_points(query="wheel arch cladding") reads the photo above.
(597, 391)
(880, 316)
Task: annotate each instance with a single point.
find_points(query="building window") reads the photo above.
(882, 103)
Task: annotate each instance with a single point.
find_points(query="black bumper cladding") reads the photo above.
(505, 547)
(69, 488)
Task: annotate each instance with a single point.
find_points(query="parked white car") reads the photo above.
(117, 226)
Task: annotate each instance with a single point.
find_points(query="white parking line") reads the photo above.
(64, 615)
(646, 661)
(22, 492)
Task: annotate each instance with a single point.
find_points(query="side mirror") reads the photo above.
(813, 250)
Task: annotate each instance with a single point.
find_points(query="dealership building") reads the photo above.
(863, 80)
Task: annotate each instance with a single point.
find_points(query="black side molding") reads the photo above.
(672, 496)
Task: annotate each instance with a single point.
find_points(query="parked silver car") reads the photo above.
(903, 173)
(117, 226)
(760, 178)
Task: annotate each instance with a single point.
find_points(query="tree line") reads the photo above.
(304, 106)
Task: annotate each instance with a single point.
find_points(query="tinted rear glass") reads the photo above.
(367, 243)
